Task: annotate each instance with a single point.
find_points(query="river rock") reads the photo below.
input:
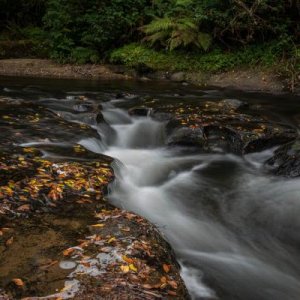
(139, 111)
(219, 125)
(178, 77)
(286, 160)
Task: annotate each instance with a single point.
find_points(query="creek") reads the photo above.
(234, 228)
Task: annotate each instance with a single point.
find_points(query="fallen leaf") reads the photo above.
(105, 249)
(132, 268)
(127, 259)
(166, 268)
(126, 229)
(173, 284)
(147, 286)
(112, 239)
(124, 269)
(172, 293)
(25, 207)
(98, 225)
(85, 264)
(163, 285)
(9, 241)
(68, 251)
(18, 282)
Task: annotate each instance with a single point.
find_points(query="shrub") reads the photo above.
(91, 24)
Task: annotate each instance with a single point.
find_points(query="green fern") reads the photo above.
(174, 33)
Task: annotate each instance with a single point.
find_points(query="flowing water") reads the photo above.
(235, 229)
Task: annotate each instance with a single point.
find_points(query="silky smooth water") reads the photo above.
(234, 228)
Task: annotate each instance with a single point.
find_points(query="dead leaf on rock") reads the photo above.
(166, 268)
(98, 225)
(172, 293)
(9, 241)
(111, 240)
(124, 268)
(126, 229)
(25, 207)
(133, 268)
(18, 282)
(68, 251)
(147, 286)
(173, 284)
(127, 259)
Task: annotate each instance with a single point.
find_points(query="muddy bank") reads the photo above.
(247, 80)
(59, 237)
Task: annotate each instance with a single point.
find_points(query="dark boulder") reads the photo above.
(141, 111)
(286, 160)
(219, 125)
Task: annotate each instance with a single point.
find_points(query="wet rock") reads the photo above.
(286, 160)
(220, 126)
(140, 111)
(178, 77)
(233, 104)
(187, 137)
(28, 122)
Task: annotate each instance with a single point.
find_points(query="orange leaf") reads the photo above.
(173, 284)
(166, 268)
(127, 259)
(147, 286)
(68, 251)
(19, 282)
(9, 241)
(163, 279)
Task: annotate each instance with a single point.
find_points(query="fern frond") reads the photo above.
(160, 24)
(204, 40)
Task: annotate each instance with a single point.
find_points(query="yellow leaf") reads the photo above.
(132, 268)
(98, 225)
(124, 269)
(111, 240)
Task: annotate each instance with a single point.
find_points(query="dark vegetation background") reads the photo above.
(205, 35)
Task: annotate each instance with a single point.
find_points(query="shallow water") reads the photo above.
(234, 228)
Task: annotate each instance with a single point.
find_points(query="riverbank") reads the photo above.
(245, 80)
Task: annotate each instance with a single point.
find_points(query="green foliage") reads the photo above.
(231, 23)
(92, 25)
(174, 33)
(217, 60)
(82, 55)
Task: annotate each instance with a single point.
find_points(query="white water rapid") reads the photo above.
(232, 227)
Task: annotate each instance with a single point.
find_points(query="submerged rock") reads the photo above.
(286, 160)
